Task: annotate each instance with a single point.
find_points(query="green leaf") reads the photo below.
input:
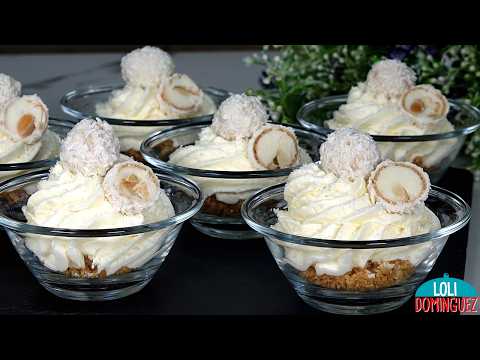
(291, 103)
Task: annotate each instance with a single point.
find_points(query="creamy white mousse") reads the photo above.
(212, 152)
(375, 107)
(75, 197)
(324, 206)
(224, 146)
(75, 201)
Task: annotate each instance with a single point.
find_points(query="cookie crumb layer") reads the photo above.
(90, 271)
(212, 206)
(371, 277)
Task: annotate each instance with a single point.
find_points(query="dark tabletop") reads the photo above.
(207, 276)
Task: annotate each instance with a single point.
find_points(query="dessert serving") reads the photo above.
(231, 157)
(239, 140)
(93, 187)
(353, 195)
(355, 233)
(410, 122)
(153, 91)
(389, 103)
(24, 134)
(97, 225)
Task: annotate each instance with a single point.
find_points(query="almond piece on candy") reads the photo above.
(180, 94)
(25, 118)
(131, 187)
(273, 147)
(398, 186)
(424, 101)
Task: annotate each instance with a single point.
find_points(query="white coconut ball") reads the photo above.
(390, 78)
(146, 67)
(239, 116)
(90, 148)
(349, 154)
(9, 88)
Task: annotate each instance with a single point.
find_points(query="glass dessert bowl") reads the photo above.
(86, 284)
(220, 218)
(152, 97)
(413, 123)
(395, 281)
(352, 233)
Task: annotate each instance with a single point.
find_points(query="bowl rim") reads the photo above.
(110, 232)
(473, 112)
(53, 124)
(150, 157)
(100, 88)
(437, 192)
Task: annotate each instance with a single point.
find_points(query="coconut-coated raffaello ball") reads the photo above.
(391, 78)
(90, 148)
(146, 67)
(239, 116)
(9, 88)
(349, 153)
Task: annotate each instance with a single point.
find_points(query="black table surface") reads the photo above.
(207, 276)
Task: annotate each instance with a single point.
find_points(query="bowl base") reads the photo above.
(97, 295)
(230, 232)
(345, 309)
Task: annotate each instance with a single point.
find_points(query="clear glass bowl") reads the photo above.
(218, 224)
(81, 103)
(464, 117)
(48, 154)
(186, 199)
(327, 295)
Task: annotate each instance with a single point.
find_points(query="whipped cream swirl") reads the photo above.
(212, 152)
(140, 103)
(75, 201)
(322, 205)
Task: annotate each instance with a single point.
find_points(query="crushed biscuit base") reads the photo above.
(135, 154)
(371, 277)
(90, 271)
(212, 206)
(14, 197)
(164, 149)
